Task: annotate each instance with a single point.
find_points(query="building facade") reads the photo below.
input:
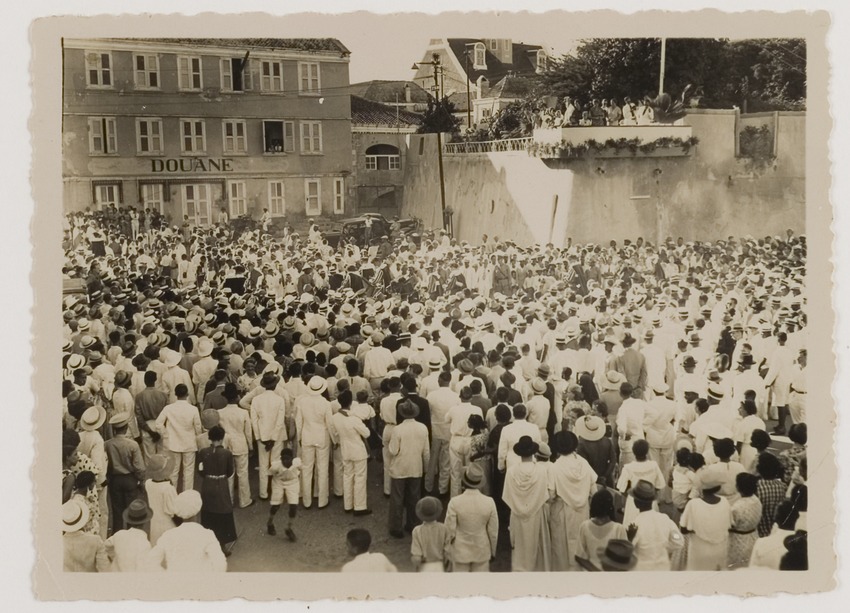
(192, 127)
(380, 148)
(468, 66)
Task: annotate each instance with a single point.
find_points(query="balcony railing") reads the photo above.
(489, 146)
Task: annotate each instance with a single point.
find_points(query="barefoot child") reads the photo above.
(286, 484)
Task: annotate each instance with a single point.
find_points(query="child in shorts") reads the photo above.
(286, 485)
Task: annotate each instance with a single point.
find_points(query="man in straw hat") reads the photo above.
(179, 424)
(92, 445)
(654, 535)
(617, 555)
(268, 420)
(126, 467)
(409, 453)
(148, 405)
(129, 549)
(312, 421)
(237, 424)
(351, 435)
(82, 551)
(473, 524)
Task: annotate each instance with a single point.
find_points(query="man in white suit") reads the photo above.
(350, 433)
(473, 524)
(268, 419)
(237, 426)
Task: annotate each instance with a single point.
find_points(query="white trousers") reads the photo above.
(354, 484)
(239, 480)
(315, 460)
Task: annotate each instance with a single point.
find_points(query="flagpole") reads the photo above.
(663, 58)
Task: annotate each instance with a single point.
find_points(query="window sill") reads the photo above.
(182, 90)
(150, 154)
(310, 94)
(101, 87)
(312, 153)
(276, 153)
(272, 93)
(140, 89)
(234, 154)
(103, 155)
(194, 154)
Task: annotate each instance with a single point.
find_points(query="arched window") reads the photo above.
(479, 61)
(542, 61)
(383, 157)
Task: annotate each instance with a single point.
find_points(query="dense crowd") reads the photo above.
(604, 112)
(601, 407)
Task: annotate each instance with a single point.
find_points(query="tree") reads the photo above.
(757, 74)
(439, 117)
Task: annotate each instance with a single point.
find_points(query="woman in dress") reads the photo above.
(746, 513)
(706, 521)
(572, 482)
(527, 494)
(598, 530)
(215, 465)
(479, 452)
(597, 448)
(161, 495)
(770, 490)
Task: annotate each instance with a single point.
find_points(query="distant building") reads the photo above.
(379, 137)
(490, 100)
(474, 64)
(193, 126)
(403, 94)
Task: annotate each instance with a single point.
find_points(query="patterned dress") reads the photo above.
(746, 514)
(770, 492)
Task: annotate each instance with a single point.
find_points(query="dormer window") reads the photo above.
(542, 61)
(479, 62)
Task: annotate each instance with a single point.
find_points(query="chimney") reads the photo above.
(407, 93)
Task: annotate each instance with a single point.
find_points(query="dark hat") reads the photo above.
(618, 554)
(408, 409)
(644, 490)
(429, 508)
(465, 366)
(526, 447)
(566, 442)
(138, 513)
(269, 380)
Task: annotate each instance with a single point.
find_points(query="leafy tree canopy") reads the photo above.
(754, 74)
(439, 117)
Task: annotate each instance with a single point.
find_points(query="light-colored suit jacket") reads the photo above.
(473, 526)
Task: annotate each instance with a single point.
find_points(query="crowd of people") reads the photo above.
(604, 112)
(591, 407)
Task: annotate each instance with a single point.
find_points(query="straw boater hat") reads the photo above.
(160, 467)
(617, 554)
(170, 358)
(75, 515)
(473, 477)
(120, 419)
(590, 428)
(538, 386)
(93, 418)
(138, 513)
(429, 509)
(316, 386)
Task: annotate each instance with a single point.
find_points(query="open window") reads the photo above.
(278, 136)
(383, 157)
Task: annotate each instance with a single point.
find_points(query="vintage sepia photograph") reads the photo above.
(520, 300)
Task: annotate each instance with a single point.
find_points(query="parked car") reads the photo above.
(354, 229)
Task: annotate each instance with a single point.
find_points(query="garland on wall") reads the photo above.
(620, 145)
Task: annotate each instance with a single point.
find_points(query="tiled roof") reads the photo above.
(368, 113)
(523, 62)
(510, 87)
(388, 92)
(297, 44)
(459, 99)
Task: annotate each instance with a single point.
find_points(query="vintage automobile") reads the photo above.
(353, 230)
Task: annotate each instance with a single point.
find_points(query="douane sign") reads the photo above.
(191, 165)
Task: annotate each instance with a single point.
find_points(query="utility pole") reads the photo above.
(663, 61)
(468, 97)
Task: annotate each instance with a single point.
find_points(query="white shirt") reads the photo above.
(268, 412)
(510, 437)
(370, 563)
(179, 424)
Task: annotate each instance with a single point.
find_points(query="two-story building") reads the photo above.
(193, 126)
(380, 146)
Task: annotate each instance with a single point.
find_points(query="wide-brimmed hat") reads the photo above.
(93, 418)
(159, 467)
(538, 385)
(205, 347)
(526, 447)
(75, 515)
(210, 418)
(170, 358)
(343, 347)
(435, 363)
(644, 490)
(317, 385)
(612, 381)
(120, 420)
(473, 477)
(660, 387)
(269, 380)
(618, 554)
(544, 452)
(543, 371)
(123, 378)
(376, 339)
(465, 366)
(590, 428)
(429, 508)
(408, 409)
(137, 513)
(307, 339)
(187, 504)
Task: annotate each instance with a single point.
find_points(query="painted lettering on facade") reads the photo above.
(160, 165)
